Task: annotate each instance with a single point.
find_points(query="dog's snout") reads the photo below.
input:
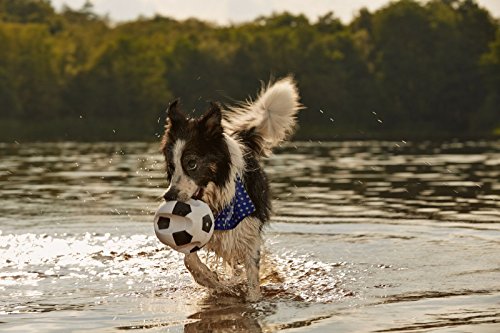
(171, 194)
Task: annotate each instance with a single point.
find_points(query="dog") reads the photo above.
(217, 158)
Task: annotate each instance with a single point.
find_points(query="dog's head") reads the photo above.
(196, 153)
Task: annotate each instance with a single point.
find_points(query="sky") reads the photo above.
(235, 11)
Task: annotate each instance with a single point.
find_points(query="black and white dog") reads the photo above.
(216, 158)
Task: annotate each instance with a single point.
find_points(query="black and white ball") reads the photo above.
(184, 226)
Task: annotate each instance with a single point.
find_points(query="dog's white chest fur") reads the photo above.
(234, 245)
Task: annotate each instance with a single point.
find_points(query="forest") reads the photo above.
(410, 70)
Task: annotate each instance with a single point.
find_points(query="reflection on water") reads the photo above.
(455, 181)
(367, 236)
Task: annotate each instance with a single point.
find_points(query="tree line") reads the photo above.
(408, 70)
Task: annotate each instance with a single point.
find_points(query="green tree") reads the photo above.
(125, 82)
(423, 68)
(26, 11)
(31, 88)
(488, 117)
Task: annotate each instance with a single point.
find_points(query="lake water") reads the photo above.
(366, 237)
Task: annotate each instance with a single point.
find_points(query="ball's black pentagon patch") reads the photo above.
(163, 222)
(194, 249)
(207, 223)
(181, 209)
(182, 237)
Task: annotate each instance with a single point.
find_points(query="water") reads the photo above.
(366, 237)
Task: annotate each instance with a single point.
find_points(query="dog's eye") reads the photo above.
(191, 164)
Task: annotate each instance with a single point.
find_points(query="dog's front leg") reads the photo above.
(252, 266)
(204, 276)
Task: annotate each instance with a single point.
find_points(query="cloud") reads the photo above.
(209, 10)
(227, 11)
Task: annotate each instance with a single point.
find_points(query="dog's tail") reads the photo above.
(264, 123)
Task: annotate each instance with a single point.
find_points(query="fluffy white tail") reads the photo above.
(272, 114)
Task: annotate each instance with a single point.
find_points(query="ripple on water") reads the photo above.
(388, 236)
(36, 268)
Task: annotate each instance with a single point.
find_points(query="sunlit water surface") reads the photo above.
(366, 236)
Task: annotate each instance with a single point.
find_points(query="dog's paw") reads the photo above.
(228, 291)
(253, 296)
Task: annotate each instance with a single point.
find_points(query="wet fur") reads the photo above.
(222, 146)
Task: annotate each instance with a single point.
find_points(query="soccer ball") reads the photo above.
(184, 226)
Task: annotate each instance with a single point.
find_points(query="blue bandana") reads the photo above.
(240, 207)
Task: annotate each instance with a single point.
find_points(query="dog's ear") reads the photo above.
(174, 115)
(211, 121)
